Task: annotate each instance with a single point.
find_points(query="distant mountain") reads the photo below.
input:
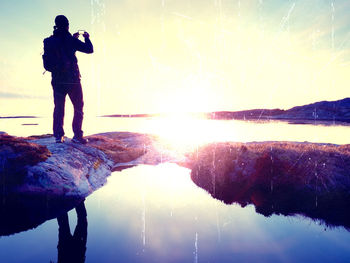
(338, 110)
(324, 110)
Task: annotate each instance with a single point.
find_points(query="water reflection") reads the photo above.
(20, 213)
(72, 248)
(330, 209)
(23, 212)
(157, 214)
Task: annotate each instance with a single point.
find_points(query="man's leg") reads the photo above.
(65, 239)
(76, 96)
(80, 232)
(58, 113)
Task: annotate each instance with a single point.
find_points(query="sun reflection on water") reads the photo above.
(184, 133)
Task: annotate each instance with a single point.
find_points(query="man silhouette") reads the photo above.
(72, 248)
(66, 76)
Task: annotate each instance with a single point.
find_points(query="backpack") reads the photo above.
(51, 54)
(54, 58)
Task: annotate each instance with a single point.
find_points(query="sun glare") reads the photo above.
(182, 131)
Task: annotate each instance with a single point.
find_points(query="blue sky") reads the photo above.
(167, 55)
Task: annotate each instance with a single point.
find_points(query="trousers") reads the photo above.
(75, 93)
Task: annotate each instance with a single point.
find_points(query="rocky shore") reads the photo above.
(41, 179)
(38, 165)
(285, 178)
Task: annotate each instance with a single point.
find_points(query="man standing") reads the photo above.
(59, 58)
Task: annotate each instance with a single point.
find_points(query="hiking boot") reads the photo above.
(60, 139)
(80, 140)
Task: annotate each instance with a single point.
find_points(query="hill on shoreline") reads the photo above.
(338, 110)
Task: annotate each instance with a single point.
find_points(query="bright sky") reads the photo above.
(181, 55)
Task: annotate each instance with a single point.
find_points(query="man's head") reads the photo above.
(61, 22)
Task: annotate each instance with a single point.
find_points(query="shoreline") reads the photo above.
(283, 178)
(115, 150)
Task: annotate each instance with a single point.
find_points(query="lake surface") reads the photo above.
(157, 214)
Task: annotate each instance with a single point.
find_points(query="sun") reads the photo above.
(182, 132)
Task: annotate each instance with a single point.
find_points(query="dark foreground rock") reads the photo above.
(285, 178)
(38, 165)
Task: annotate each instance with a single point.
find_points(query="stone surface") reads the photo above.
(286, 178)
(318, 167)
(40, 166)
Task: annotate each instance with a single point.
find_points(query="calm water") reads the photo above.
(157, 214)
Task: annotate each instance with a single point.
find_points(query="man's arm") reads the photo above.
(84, 47)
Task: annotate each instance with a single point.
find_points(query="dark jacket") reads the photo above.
(66, 45)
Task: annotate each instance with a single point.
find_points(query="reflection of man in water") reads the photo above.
(72, 248)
